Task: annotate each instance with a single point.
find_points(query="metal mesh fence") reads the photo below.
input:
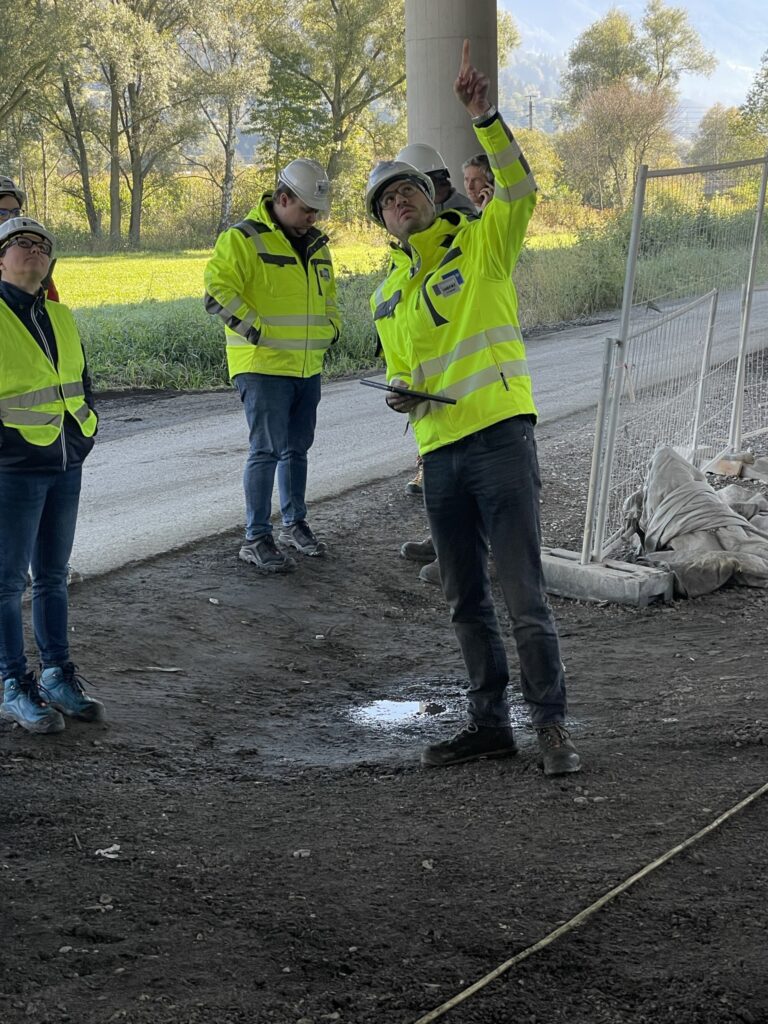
(671, 375)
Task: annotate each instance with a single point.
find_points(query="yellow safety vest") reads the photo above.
(446, 314)
(279, 317)
(35, 394)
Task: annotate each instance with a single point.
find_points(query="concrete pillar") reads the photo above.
(434, 33)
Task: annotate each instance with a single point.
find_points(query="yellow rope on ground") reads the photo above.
(582, 916)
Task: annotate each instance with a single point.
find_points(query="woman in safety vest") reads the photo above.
(47, 424)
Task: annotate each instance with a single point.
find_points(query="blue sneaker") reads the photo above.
(23, 704)
(63, 688)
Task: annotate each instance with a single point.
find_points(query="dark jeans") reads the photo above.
(281, 414)
(480, 490)
(38, 513)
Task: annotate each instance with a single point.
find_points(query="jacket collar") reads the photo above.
(17, 298)
(263, 212)
(428, 246)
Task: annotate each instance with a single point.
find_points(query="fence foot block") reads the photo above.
(612, 581)
(757, 471)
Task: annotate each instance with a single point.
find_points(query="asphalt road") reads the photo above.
(167, 470)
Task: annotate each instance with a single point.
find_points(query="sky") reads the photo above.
(736, 31)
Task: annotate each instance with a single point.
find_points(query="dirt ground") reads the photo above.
(283, 858)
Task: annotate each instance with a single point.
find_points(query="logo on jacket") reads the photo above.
(325, 273)
(448, 284)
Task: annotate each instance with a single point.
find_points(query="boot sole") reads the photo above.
(39, 730)
(317, 552)
(89, 716)
(563, 771)
(273, 570)
(491, 755)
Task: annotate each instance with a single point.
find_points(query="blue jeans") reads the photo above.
(38, 513)
(281, 414)
(481, 490)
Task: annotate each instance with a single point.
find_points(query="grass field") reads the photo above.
(142, 320)
(88, 281)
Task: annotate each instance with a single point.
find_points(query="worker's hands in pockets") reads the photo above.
(471, 86)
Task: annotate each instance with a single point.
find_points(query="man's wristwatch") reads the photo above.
(482, 118)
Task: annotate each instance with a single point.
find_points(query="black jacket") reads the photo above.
(71, 448)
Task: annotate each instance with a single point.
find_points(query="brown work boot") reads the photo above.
(431, 573)
(419, 550)
(558, 754)
(416, 486)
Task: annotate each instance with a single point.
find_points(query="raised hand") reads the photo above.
(471, 86)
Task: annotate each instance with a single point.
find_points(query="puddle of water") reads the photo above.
(385, 713)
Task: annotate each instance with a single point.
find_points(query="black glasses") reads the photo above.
(4, 214)
(32, 243)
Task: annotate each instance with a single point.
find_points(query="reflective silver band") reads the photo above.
(28, 418)
(466, 347)
(475, 381)
(313, 320)
(290, 344)
(509, 193)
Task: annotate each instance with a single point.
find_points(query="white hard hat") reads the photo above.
(393, 170)
(24, 226)
(308, 180)
(422, 157)
(8, 187)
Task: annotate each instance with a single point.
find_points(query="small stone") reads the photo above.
(580, 801)
(302, 853)
(65, 949)
(428, 865)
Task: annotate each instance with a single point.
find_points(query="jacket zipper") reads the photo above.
(48, 352)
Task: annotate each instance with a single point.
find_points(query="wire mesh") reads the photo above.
(676, 361)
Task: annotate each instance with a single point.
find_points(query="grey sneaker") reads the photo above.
(431, 573)
(558, 754)
(419, 550)
(298, 535)
(24, 704)
(265, 555)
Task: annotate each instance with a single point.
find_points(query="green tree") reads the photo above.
(291, 119)
(671, 46)
(756, 107)
(608, 51)
(725, 134)
(350, 52)
(152, 103)
(621, 127)
(223, 46)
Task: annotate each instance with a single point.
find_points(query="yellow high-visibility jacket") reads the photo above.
(446, 314)
(35, 394)
(279, 317)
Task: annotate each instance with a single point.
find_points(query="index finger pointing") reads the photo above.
(465, 55)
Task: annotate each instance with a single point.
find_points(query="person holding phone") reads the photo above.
(446, 316)
(478, 180)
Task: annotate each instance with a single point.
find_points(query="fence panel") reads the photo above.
(690, 278)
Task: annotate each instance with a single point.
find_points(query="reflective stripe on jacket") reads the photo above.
(35, 394)
(279, 316)
(446, 314)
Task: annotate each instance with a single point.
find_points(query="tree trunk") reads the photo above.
(115, 220)
(228, 184)
(80, 153)
(134, 137)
